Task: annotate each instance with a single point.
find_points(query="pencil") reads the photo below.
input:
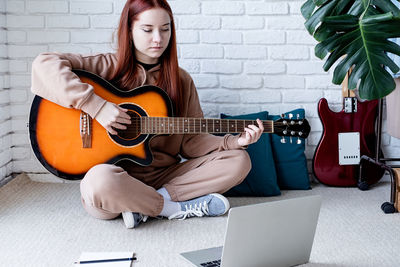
(105, 260)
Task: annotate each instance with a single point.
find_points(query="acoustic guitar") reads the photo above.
(356, 120)
(67, 142)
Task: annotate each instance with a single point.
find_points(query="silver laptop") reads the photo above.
(277, 233)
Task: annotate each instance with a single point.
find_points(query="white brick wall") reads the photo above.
(244, 56)
(5, 118)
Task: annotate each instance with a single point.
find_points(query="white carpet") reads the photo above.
(43, 224)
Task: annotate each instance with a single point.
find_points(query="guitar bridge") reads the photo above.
(85, 126)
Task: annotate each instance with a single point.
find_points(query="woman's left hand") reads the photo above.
(251, 134)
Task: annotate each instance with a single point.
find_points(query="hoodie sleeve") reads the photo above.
(197, 145)
(53, 79)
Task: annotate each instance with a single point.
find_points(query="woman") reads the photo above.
(170, 188)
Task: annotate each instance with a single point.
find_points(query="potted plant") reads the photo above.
(356, 33)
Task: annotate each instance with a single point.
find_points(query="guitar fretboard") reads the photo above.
(177, 125)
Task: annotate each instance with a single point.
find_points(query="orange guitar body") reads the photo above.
(56, 138)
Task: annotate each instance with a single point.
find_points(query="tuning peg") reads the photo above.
(298, 141)
(298, 118)
(292, 132)
(284, 132)
(283, 140)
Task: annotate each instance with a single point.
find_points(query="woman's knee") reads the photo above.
(101, 178)
(239, 166)
(242, 163)
(97, 188)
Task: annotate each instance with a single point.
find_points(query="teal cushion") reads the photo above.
(290, 160)
(262, 179)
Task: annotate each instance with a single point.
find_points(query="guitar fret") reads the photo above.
(236, 127)
(185, 123)
(226, 125)
(163, 125)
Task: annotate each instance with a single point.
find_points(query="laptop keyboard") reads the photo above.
(211, 263)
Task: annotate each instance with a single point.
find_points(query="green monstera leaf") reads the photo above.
(356, 33)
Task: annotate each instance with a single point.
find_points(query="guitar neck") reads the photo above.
(179, 125)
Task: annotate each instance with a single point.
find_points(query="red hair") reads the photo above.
(126, 71)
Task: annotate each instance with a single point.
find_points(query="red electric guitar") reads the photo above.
(351, 131)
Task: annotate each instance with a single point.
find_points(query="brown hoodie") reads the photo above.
(53, 79)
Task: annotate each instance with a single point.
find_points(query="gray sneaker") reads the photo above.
(133, 219)
(208, 205)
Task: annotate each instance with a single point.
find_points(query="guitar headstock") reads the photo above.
(289, 127)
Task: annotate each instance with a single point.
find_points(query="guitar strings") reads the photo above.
(152, 123)
(185, 125)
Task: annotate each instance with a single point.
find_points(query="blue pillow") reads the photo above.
(262, 179)
(290, 160)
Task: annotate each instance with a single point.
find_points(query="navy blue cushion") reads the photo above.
(262, 178)
(290, 160)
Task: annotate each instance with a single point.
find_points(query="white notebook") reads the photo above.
(87, 256)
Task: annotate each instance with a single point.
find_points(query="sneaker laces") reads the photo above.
(199, 210)
(140, 218)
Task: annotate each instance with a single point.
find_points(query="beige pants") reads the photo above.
(107, 190)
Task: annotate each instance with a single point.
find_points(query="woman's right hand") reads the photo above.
(112, 116)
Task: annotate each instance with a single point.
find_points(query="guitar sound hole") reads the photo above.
(133, 129)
